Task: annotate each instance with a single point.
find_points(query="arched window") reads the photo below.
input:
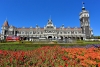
(38, 32)
(84, 15)
(75, 32)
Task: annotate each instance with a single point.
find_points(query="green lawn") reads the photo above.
(31, 46)
(17, 47)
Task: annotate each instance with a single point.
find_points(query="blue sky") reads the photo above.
(31, 12)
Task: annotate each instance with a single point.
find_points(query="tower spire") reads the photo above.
(83, 8)
(83, 4)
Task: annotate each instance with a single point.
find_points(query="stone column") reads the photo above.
(56, 37)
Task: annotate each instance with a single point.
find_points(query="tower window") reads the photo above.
(84, 15)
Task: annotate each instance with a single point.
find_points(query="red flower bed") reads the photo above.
(51, 57)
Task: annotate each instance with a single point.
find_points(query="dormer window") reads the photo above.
(31, 27)
(23, 27)
(68, 27)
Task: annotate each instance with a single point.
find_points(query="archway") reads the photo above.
(54, 38)
(25, 38)
(77, 38)
(81, 38)
(66, 37)
(49, 37)
(61, 37)
(69, 37)
(73, 38)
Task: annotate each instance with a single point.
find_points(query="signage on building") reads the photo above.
(12, 38)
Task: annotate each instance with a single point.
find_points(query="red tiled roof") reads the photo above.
(43, 29)
(25, 28)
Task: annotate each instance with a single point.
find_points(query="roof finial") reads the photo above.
(83, 4)
(6, 19)
(50, 16)
(62, 25)
(36, 25)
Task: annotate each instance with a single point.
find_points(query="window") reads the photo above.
(85, 15)
(19, 32)
(72, 32)
(49, 27)
(23, 32)
(75, 32)
(68, 32)
(34, 32)
(30, 32)
(10, 32)
(49, 31)
(79, 31)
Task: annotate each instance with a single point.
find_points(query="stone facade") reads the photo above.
(50, 30)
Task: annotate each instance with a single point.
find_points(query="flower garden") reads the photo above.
(51, 56)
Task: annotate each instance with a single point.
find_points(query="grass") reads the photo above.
(31, 46)
(17, 47)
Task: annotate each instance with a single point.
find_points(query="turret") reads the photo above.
(4, 29)
(85, 22)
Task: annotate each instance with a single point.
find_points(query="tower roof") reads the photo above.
(83, 8)
(49, 21)
(6, 23)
